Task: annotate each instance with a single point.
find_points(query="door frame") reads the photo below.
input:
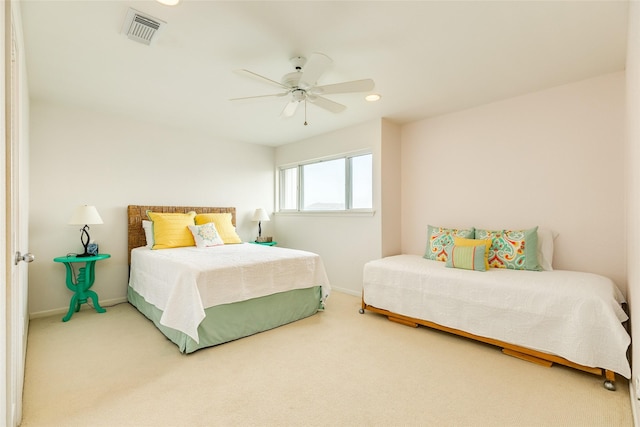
(5, 407)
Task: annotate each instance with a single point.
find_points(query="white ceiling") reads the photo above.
(426, 57)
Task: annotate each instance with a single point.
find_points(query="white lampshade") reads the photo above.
(260, 215)
(85, 215)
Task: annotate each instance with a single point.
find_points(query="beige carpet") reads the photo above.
(336, 368)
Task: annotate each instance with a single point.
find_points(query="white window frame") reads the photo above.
(299, 188)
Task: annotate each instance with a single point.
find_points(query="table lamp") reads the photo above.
(261, 215)
(85, 215)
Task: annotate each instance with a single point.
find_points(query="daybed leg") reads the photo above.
(610, 381)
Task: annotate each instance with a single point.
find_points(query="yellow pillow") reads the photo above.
(171, 230)
(459, 241)
(225, 228)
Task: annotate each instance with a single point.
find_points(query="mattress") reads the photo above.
(574, 315)
(183, 282)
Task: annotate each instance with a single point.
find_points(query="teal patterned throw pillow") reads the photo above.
(438, 238)
(514, 249)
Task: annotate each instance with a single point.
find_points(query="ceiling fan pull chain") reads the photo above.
(305, 112)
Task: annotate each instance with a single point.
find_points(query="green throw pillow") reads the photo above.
(466, 257)
(514, 249)
(438, 238)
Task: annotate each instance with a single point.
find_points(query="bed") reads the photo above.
(575, 319)
(201, 297)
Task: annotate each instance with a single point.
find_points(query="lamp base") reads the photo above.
(264, 239)
(84, 255)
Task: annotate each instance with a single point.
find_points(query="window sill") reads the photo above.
(362, 213)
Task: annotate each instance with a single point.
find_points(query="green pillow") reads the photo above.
(514, 249)
(438, 238)
(466, 257)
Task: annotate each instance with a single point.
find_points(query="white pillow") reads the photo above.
(206, 235)
(545, 248)
(147, 226)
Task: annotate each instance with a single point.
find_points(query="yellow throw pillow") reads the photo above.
(223, 224)
(459, 241)
(171, 230)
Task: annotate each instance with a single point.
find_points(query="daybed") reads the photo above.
(204, 296)
(549, 316)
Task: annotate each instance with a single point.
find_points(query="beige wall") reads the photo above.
(390, 176)
(80, 157)
(633, 184)
(552, 158)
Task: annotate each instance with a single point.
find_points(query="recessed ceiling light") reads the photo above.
(169, 2)
(373, 97)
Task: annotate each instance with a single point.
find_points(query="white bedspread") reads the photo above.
(182, 282)
(566, 313)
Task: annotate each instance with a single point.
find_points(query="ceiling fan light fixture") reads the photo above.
(168, 2)
(299, 95)
(373, 97)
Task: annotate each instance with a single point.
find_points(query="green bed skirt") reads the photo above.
(228, 322)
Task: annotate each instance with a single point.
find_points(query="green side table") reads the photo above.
(265, 243)
(80, 288)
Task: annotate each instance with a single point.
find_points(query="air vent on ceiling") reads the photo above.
(141, 27)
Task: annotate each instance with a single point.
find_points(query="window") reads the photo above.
(338, 184)
(323, 186)
(362, 182)
(289, 189)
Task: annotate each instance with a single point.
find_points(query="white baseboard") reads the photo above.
(346, 291)
(114, 301)
(634, 403)
(62, 311)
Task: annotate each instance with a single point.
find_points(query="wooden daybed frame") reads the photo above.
(534, 356)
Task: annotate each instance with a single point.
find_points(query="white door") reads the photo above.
(16, 217)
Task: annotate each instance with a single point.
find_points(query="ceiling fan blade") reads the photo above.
(317, 64)
(346, 87)
(262, 78)
(290, 109)
(327, 104)
(260, 96)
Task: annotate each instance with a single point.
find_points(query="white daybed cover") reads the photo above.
(570, 314)
(182, 282)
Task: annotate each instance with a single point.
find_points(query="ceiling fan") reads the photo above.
(301, 85)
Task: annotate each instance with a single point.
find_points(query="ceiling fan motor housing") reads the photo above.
(299, 94)
(292, 79)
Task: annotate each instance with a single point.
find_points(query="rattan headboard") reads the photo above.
(137, 213)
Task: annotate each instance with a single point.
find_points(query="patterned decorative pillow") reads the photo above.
(206, 235)
(514, 249)
(466, 257)
(460, 241)
(438, 238)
